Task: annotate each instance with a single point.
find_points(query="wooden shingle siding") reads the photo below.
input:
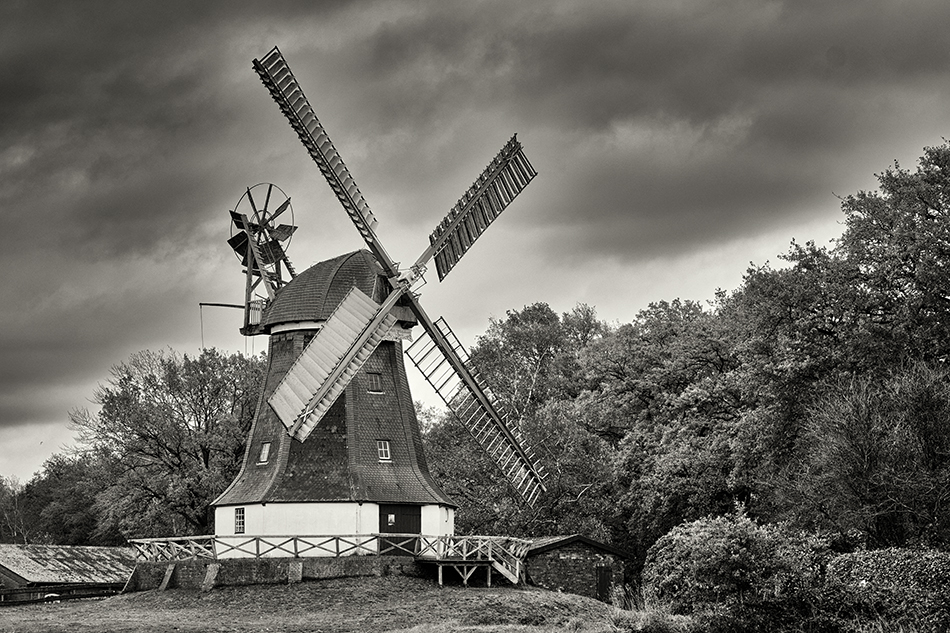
(339, 461)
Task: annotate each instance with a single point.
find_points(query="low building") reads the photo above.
(34, 572)
(575, 564)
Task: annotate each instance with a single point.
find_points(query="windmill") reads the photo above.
(335, 446)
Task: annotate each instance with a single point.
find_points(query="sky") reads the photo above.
(677, 141)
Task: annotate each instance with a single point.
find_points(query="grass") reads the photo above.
(390, 604)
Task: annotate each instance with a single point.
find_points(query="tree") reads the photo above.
(668, 396)
(531, 360)
(673, 362)
(579, 469)
(532, 355)
(874, 303)
(877, 458)
(171, 430)
(59, 503)
(899, 237)
(12, 522)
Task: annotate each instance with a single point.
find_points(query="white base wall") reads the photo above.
(438, 520)
(285, 519)
(314, 519)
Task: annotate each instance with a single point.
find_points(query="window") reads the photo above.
(382, 447)
(265, 453)
(375, 382)
(239, 520)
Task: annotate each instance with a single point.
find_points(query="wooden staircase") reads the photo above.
(465, 554)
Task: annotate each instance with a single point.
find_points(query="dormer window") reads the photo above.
(382, 447)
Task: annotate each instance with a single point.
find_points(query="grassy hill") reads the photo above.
(350, 604)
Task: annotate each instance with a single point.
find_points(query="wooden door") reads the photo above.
(604, 578)
(399, 519)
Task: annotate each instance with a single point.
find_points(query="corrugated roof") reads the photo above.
(61, 564)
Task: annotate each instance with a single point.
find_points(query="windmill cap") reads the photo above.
(316, 292)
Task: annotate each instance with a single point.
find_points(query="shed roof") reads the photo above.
(547, 543)
(62, 564)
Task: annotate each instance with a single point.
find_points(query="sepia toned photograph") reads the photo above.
(500, 317)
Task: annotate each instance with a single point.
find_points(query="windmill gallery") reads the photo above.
(334, 465)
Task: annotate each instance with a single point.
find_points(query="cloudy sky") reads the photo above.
(676, 141)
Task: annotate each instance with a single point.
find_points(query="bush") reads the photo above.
(734, 574)
(899, 586)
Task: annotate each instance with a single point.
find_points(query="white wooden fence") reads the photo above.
(506, 554)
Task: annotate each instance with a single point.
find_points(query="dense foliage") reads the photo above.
(909, 588)
(816, 394)
(728, 559)
(733, 574)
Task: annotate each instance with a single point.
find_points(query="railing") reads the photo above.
(506, 554)
(184, 548)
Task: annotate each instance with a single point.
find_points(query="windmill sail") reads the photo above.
(330, 361)
(504, 178)
(283, 87)
(473, 406)
(312, 384)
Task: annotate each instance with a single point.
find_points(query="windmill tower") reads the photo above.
(335, 446)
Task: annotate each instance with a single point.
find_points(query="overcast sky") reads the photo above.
(676, 141)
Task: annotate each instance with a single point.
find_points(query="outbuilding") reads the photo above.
(575, 564)
(36, 572)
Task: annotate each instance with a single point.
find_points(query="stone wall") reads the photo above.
(205, 573)
(573, 568)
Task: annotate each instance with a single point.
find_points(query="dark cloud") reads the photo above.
(660, 129)
(802, 82)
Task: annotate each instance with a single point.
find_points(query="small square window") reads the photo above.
(375, 382)
(239, 520)
(382, 447)
(265, 453)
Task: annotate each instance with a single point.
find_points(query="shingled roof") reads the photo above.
(314, 293)
(22, 565)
